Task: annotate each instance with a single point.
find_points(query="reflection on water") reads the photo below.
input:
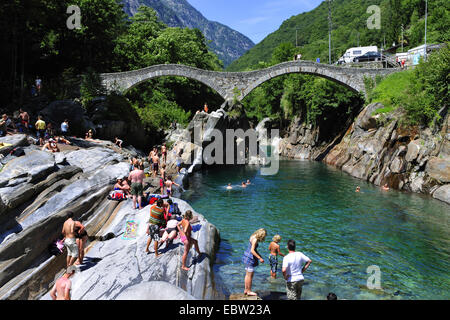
(343, 232)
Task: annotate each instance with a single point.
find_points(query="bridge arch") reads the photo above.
(231, 85)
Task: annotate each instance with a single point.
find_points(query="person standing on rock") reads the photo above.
(81, 238)
(137, 185)
(24, 119)
(70, 240)
(155, 160)
(164, 153)
(62, 287)
(40, 127)
(250, 259)
(162, 171)
(185, 229)
(155, 222)
(294, 265)
(65, 128)
(169, 184)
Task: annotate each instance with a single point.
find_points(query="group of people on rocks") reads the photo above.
(294, 264)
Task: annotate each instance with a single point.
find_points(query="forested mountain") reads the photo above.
(349, 28)
(227, 43)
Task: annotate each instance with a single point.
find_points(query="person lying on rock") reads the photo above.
(170, 233)
(51, 146)
(62, 287)
(59, 139)
(185, 229)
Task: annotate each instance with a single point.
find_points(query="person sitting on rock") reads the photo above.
(89, 135)
(6, 124)
(51, 145)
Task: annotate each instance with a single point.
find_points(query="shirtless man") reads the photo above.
(137, 188)
(164, 152)
(150, 157)
(61, 289)
(24, 119)
(70, 240)
(155, 164)
(169, 184)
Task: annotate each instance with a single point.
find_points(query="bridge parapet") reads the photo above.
(231, 85)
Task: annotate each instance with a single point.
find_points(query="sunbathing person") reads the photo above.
(51, 145)
(170, 233)
(62, 140)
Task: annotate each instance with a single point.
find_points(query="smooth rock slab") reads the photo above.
(93, 158)
(443, 193)
(154, 290)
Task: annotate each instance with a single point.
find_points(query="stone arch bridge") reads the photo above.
(238, 85)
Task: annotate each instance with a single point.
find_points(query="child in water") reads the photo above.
(274, 249)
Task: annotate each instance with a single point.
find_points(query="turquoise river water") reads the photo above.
(343, 233)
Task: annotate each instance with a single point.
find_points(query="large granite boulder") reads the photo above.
(443, 193)
(439, 169)
(114, 266)
(154, 290)
(57, 111)
(92, 159)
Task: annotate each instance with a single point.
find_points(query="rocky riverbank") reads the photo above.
(39, 188)
(380, 149)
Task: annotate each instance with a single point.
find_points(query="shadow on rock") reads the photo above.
(89, 262)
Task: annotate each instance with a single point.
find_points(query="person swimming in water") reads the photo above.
(248, 182)
(385, 187)
(243, 185)
(229, 187)
(358, 189)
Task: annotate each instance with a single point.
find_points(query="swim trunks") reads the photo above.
(161, 183)
(273, 263)
(137, 189)
(154, 232)
(72, 248)
(155, 166)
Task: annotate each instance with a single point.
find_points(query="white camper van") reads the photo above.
(355, 52)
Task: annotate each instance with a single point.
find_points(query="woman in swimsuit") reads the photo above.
(250, 259)
(185, 229)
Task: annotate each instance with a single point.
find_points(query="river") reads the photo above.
(405, 235)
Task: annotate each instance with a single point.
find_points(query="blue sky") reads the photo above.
(254, 18)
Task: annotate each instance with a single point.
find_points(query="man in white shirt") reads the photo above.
(294, 265)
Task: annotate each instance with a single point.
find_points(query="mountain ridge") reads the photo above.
(227, 43)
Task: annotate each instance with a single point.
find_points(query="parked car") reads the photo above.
(369, 56)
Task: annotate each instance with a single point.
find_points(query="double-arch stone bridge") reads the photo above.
(238, 85)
